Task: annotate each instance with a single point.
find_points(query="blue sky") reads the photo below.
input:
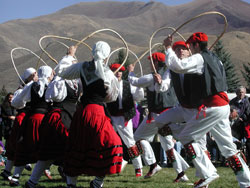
(24, 9)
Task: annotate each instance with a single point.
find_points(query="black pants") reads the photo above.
(248, 151)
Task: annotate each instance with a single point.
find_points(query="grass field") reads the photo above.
(128, 180)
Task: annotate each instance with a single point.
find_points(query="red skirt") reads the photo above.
(53, 136)
(26, 149)
(247, 130)
(93, 147)
(12, 140)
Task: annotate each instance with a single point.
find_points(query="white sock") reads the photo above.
(18, 171)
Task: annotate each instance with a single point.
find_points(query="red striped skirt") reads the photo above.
(93, 147)
(26, 149)
(12, 140)
(53, 136)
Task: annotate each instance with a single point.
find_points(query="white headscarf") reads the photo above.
(29, 71)
(101, 51)
(44, 72)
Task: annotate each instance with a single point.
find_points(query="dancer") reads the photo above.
(26, 147)
(93, 146)
(160, 97)
(204, 87)
(29, 75)
(122, 111)
(55, 125)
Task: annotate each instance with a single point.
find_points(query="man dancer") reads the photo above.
(160, 97)
(122, 111)
(204, 87)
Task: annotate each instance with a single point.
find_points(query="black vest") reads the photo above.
(95, 92)
(68, 106)
(157, 102)
(191, 95)
(37, 103)
(214, 74)
(69, 103)
(197, 87)
(127, 103)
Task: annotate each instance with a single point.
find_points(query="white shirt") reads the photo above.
(193, 64)
(148, 81)
(22, 96)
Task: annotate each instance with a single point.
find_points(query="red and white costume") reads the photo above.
(33, 92)
(148, 129)
(55, 127)
(213, 118)
(122, 115)
(93, 146)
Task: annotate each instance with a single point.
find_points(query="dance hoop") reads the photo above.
(203, 14)
(156, 44)
(131, 53)
(106, 29)
(66, 46)
(150, 42)
(13, 63)
(59, 37)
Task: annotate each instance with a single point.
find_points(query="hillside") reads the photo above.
(134, 21)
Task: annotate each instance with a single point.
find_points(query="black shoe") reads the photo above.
(71, 186)
(60, 170)
(30, 184)
(14, 181)
(5, 174)
(94, 186)
(28, 167)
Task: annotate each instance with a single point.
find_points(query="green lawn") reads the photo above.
(128, 180)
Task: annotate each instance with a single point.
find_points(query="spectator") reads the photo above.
(241, 106)
(2, 154)
(241, 102)
(8, 115)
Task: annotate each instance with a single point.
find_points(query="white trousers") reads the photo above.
(146, 132)
(127, 136)
(217, 122)
(179, 164)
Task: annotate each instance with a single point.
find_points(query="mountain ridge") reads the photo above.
(135, 21)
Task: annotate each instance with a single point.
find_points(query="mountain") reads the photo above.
(134, 21)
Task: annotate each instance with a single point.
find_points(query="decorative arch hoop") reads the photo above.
(107, 29)
(59, 37)
(156, 44)
(131, 53)
(203, 14)
(12, 59)
(150, 43)
(66, 46)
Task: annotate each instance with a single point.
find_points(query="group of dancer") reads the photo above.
(70, 116)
